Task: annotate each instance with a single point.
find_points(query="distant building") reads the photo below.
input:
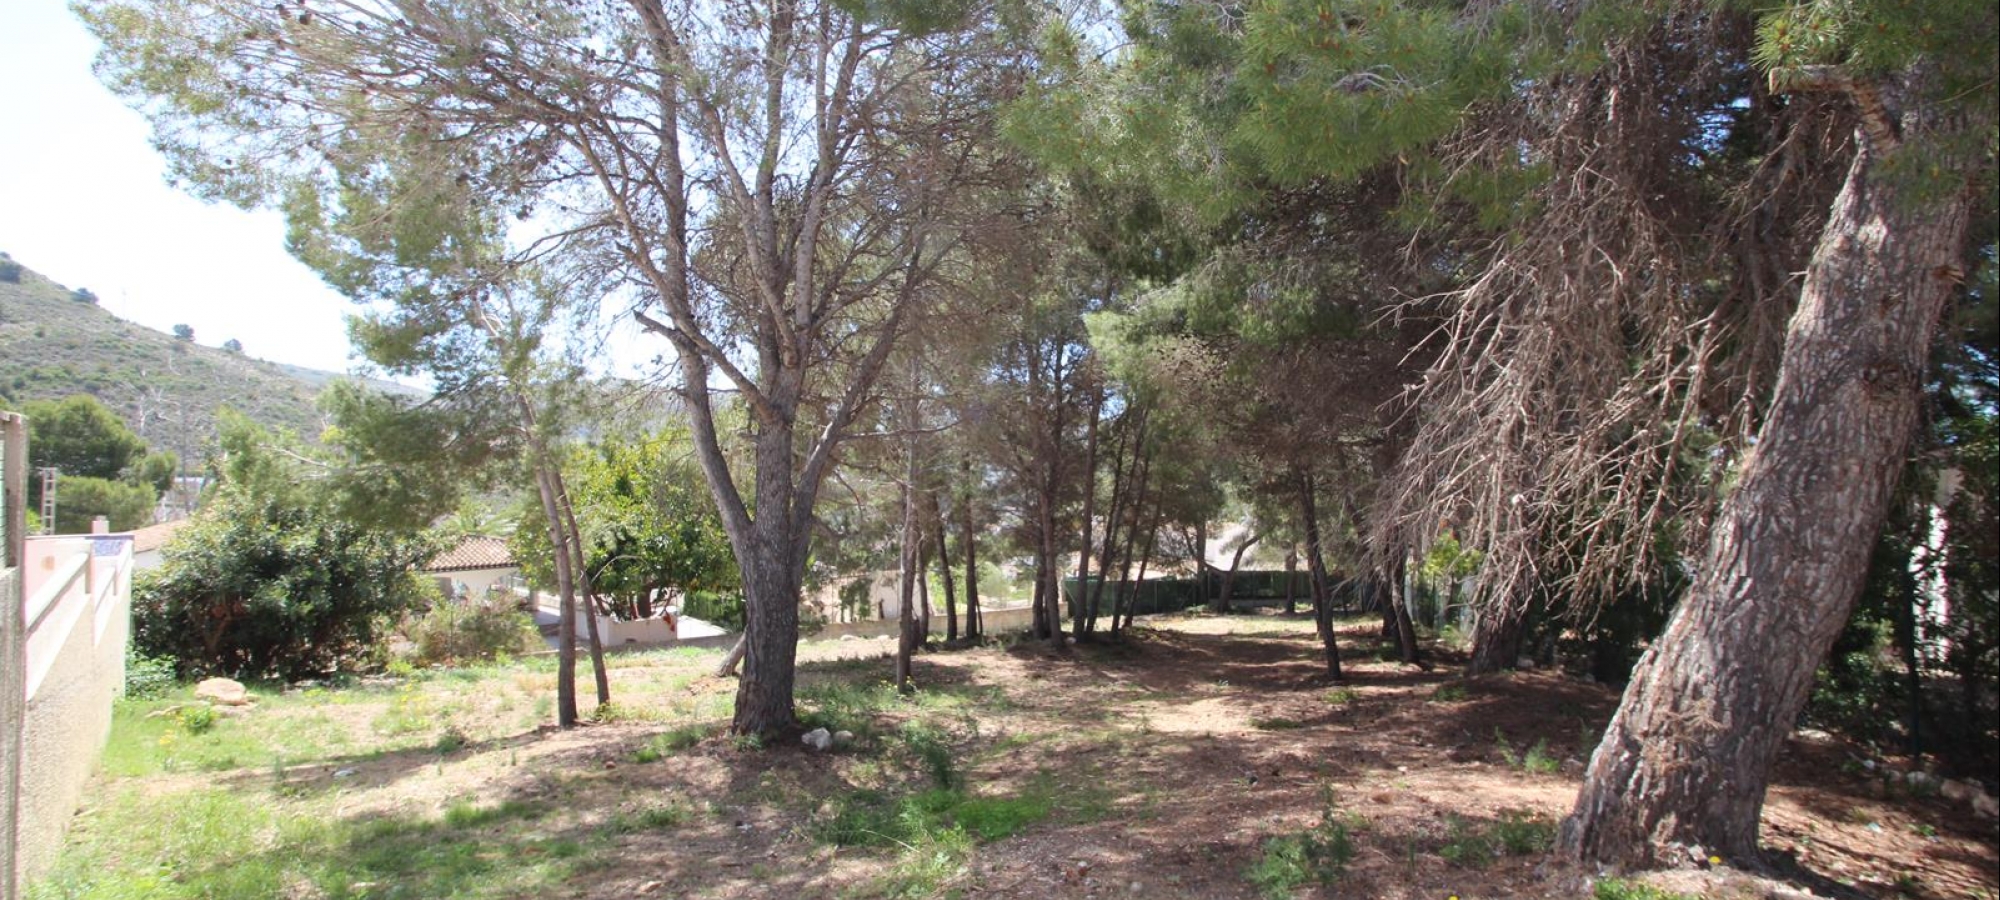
(148, 542)
(474, 566)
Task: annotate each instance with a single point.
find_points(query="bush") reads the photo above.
(454, 631)
(10, 271)
(148, 677)
(83, 295)
(267, 589)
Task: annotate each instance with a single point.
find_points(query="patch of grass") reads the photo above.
(1537, 761)
(1319, 854)
(652, 818)
(1276, 723)
(215, 844)
(931, 747)
(1466, 844)
(1517, 833)
(924, 866)
(1450, 692)
(668, 743)
(1622, 889)
(870, 818)
(1520, 833)
(995, 818)
(1341, 696)
(451, 740)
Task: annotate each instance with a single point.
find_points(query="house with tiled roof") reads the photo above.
(475, 565)
(148, 542)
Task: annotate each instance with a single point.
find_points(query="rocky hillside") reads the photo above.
(55, 342)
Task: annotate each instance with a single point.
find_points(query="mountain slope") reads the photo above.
(53, 344)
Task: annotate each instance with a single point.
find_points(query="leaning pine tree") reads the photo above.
(1686, 760)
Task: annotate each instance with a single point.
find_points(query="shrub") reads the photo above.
(148, 677)
(264, 588)
(83, 295)
(10, 271)
(459, 631)
(1318, 854)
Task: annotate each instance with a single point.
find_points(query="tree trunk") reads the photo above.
(1152, 536)
(908, 570)
(566, 590)
(972, 623)
(1291, 584)
(1687, 758)
(1081, 618)
(1316, 565)
(944, 572)
(734, 657)
(1229, 579)
(923, 593)
(1497, 634)
(581, 567)
(1406, 631)
(772, 560)
(1200, 550)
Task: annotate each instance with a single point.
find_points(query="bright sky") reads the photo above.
(84, 201)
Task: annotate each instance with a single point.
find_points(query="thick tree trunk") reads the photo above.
(772, 560)
(1687, 758)
(1496, 635)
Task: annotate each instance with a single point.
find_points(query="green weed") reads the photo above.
(1621, 889)
(1449, 692)
(670, 742)
(1276, 723)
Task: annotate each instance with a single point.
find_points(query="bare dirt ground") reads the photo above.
(1171, 757)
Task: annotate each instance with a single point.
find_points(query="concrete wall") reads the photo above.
(79, 612)
(995, 620)
(13, 637)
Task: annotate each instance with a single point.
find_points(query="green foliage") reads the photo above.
(232, 346)
(81, 437)
(79, 500)
(1520, 834)
(458, 631)
(148, 677)
(1319, 854)
(268, 580)
(1537, 761)
(10, 271)
(932, 749)
(83, 295)
(1625, 889)
(1449, 692)
(668, 743)
(184, 332)
(650, 527)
